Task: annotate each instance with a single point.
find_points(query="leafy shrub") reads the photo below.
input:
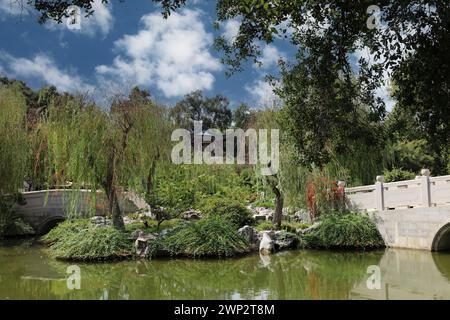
(264, 203)
(397, 174)
(66, 228)
(413, 155)
(265, 225)
(152, 225)
(18, 227)
(231, 211)
(185, 187)
(293, 226)
(211, 237)
(286, 226)
(346, 231)
(78, 242)
(323, 195)
(10, 224)
(6, 214)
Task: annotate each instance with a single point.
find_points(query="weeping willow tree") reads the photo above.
(13, 151)
(111, 150)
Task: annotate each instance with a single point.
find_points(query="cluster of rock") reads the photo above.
(268, 241)
(101, 221)
(266, 214)
(192, 215)
(262, 213)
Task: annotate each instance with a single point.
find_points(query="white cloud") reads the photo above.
(270, 53)
(231, 29)
(171, 54)
(261, 93)
(270, 56)
(99, 23)
(44, 68)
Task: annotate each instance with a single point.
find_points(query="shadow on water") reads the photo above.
(28, 273)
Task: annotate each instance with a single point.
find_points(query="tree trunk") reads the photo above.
(111, 193)
(278, 216)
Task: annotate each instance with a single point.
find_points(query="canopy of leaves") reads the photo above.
(214, 111)
(13, 139)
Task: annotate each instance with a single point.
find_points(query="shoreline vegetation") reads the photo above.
(213, 237)
(52, 140)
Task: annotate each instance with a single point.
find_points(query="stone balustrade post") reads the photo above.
(425, 188)
(341, 189)
(379, 193)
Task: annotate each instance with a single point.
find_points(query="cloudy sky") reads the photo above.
(124, 45)
(127, 44)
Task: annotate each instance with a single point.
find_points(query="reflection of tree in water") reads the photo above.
(24, 272)
(288, 275)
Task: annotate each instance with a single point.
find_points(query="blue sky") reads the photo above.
(127, 44)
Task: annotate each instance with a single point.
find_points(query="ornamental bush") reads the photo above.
(80, 241)
(229, 210)
(210, 237)
(346, 231)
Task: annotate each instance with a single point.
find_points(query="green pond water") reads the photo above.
(27, 272)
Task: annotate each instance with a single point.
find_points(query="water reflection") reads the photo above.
(28, 273)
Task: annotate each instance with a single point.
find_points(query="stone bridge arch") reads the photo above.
(416, 228)
(44, 209)
(441, 241)
(48, 224)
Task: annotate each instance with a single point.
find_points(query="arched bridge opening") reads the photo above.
(441, 241)
(49, 224)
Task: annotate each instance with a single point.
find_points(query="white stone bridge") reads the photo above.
(413, 214)
(44, 209)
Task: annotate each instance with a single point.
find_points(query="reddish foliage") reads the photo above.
(323, 193)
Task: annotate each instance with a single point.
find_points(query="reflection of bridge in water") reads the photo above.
(411, 275)
(26, 272)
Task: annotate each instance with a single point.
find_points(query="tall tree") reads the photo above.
(242, 116)
(213, 111)
(113, 150)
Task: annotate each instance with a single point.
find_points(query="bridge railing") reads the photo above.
(424, 191)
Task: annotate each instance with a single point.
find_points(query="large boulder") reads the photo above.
(266, 246)
(130, 201)
(192, 215)
(142, 243)
(285, 240)
(302, 216)
(250, 234)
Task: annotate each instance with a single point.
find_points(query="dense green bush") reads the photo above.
(65, 228)
(396, 174)
(229, 210)
(10, 223)
(18, 227)
(152, 225)
(264, 203)
(78, 241)
(211, 237)
(181, 188)
(346, 231)
(287, 226)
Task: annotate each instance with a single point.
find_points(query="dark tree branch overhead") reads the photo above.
(57, 9)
